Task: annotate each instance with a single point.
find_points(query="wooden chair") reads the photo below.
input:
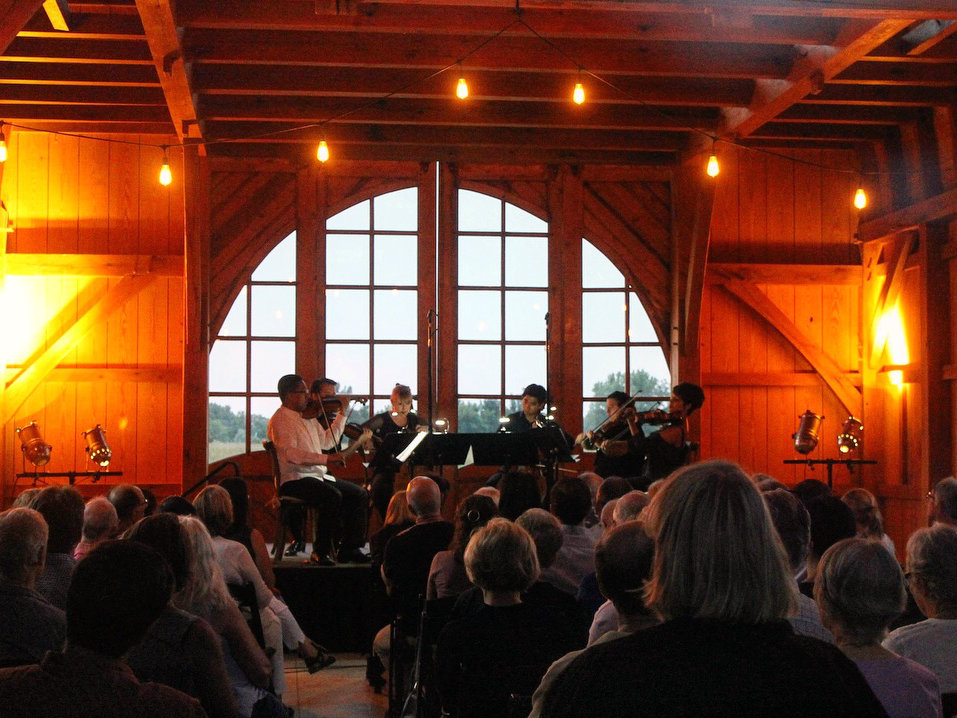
(287, 505)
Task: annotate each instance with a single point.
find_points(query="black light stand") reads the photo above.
(830, 463)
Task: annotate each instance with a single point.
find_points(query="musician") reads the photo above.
(325, 388)
(534, 400)
(299, 445)
(666, 449)
(400, 418)
(629, 465)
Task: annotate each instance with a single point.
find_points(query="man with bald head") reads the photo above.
(100, 522)
(130, 505)
(29, 625)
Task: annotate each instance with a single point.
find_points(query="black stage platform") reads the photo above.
(333, 604)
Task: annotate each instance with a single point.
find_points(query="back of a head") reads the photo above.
(205, 590)
(518, 492)
(623, 562)
(238, 492)
(99, 519)
(764, 482)
(931, 561)
(424, 496)
(125, 498)
(489, 491)
(472, 514)
(62, 508)
(501, 557)
(810, 489)
(792, 522)
(23, 542)
(26, 498)
(859, 588)
(177, 505)
(546, 533)
(614, 487)
(117, 591)
(399, 511)
(630, 505)
(717, 554)
(867, 516)
(215, 509)
(593, 481)
(571, 500)
(945, 500)
(164, 533)
(831, 521)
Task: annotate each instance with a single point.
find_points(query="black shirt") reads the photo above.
(407, 559)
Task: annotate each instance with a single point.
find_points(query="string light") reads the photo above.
(713, 168)
(3, 145)
(322, 152)
(579, 94)
(860, 198)
(462, 89)
(165, 175)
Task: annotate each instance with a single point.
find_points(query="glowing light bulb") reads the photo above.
(3, 148)
(165, 175)
(860, 198)
(462, 89)
(713, 168)
(322, 153)
(579, 94)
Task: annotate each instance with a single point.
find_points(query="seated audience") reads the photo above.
(793, 526)
(177, 505)
(29, 625)
(179, 649)
(206, 595)
(99, 524)
(614, 487)
(593, 481)
(570, 503)
(447, 576)
(623, 560)
(867, 516)
(518, 492)
(860, 589)
(831, 521)
(489, 491)
(607, 516)
(943, 504)
(240, 530)
(506, 647)
(62, 508)
(810, 489)
(932, 575)
(130, 504)
(722, 586)
(116, 593)
(25, 498)
(630, 506)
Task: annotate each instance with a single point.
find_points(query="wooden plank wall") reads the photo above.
(69, 195)
(778, 211)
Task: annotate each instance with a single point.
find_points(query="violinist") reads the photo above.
(534, 400)
(631, 463)
(326, 408)
(666, 449)
(303, 466)
(400, 418)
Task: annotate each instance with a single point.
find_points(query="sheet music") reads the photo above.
(407, 451)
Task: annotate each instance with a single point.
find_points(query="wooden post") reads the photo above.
(309, 339)
(448, 257)
(196, 347)
(426, 294)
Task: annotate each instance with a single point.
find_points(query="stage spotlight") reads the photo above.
(806, 438)
(34, 448)
(96, 446)
(852, 433)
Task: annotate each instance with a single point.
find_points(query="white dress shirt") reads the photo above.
(299, 443)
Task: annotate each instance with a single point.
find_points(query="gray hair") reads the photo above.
(860, 589)
(546, 532)
(501, 557)
(945, 497)
(23, 541)
(932, 562)
(630, 505)
(99, 519)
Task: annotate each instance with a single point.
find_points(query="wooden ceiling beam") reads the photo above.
(526, 53)
(815, 131)
(868, 115)
(161, 130)
(91, 26)
(66, 73)
(448, 112)
(73, 94)
(876, 95)
(214, 79)
(163, 38)
(104, 8)
(86, 113)
(809, 75)
(569, 22)
(67, 49)
(897, 73)
(58, 13)
(14, 14)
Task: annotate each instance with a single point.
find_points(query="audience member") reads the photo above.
(99, 524)
(831, 521)
(593, 481)
(932, 574)
(943, 504)
(62, 508)
(765, 483)
(240, 530)
(810, 489)
(867, 516)
(722, 585)
(489, 491)
(150, 498)
(504, 649)
(570, 503)
(447, 575)
(179, 649)
(130, 505)
(116, 593)
(26, 498)
(860, 589)
(29, 625)
(630, 506)
(607, 516)
(614, 487)
(177, 505)
(398, 517)
(793, 525)
(518, 492)
(623, 561)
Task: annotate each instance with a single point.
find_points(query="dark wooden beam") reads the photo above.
(928, 210)
(38, 49)
(812, 274)
(161, 130)
(143, 373)
(80, 95)
(854, 115)
(14, 14)
(876, 95)
(92, 265)
(819, 131)
(67, 73)
(98, 26)
(86, 113)
(897, 73)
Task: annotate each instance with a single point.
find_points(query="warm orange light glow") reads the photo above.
(26, 305)
(891, 327)
(579, 94)
(462, 89)
(713, 168)
(165, 175)
(322, 152)
(860, 198)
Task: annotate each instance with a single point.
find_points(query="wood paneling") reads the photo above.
(70, 196)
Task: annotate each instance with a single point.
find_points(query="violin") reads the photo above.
(324, 410)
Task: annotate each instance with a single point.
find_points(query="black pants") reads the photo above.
(342, 508)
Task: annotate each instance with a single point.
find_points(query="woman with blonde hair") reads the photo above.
(867, 516)
(722, 587)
